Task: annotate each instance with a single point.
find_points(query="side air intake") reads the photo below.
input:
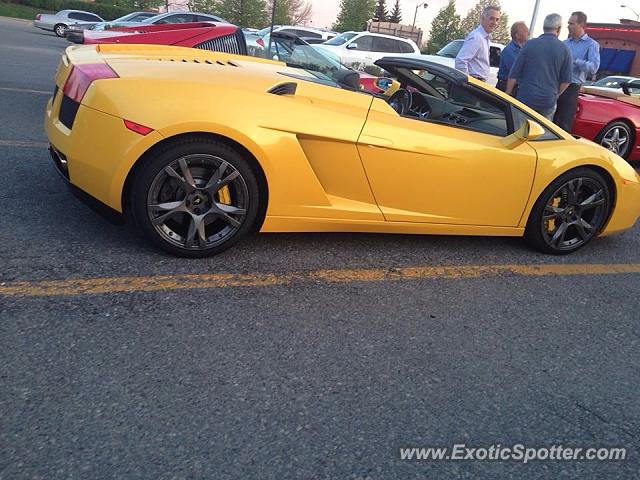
(288, 88)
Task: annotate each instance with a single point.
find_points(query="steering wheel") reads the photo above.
(400, 101)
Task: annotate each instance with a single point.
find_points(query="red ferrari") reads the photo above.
(221, 37)
(611, 119)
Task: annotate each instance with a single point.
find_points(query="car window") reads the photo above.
(438, 100)
(404, 47)
(74, 16)
(383, 44)
(308, 34)
(364, 43)
(519, 117)
(451, 49)
(206, 18)
(177, 18)
(494, 56)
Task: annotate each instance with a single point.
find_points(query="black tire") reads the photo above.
(198, 216)
(60, 30)
(605, 138)
(569, 213)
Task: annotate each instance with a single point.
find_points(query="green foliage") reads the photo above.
(106, 11)
(354, 15)
(501, 34)
(244, 13)
(381, 14)
(444, 28)
(396, 15)
(15, 10)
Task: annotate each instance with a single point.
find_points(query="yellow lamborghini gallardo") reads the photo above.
(205, 147)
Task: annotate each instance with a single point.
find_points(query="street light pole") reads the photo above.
(273, 20)
(415, 15)
(533, 18)
(634, 12)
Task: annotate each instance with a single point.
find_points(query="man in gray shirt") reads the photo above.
(473, 57)
(543, 69)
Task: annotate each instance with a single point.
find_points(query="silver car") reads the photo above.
(61, 21)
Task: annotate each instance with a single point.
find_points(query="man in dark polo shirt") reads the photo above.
(585, 52)
(542, 69)
(519, 36)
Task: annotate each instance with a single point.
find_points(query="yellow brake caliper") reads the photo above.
(550, 224)
(224, 195)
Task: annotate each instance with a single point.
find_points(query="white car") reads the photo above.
(256, 43)
(360, 49)
(61, 21)
(447, 56)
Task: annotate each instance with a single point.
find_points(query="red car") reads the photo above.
(611, 119)
(221, 37)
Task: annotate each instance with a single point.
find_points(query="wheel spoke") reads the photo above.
(584, 228)
(573, 189)
(558, 237)
(594, 200)
(196, 227)
(215, 178)
(231, 209)
(167, 206)
(184, 184)
(230, 220)
(163, 218)
(552, 212)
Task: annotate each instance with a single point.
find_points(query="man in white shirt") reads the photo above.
(473, 57)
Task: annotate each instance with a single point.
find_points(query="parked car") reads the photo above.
(360, 49)
(617, 84)
(75, 32)
(447, 56)
(169, 18)
(221, 37)
(611, 118)
(255, 40)
(61, 21)
(244, 144)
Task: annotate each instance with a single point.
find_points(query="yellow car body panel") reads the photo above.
(333, 159)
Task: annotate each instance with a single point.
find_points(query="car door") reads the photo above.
(446, 163)
(358, 52)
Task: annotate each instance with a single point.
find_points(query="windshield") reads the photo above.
(301, 56)
(341, 39)
(611, 82)
(451, 49)
(264, 31)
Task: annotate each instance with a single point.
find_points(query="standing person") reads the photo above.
(543, 69)
(586, 61)
(519, 35)
(473, 57)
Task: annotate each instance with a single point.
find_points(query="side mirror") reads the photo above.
(528, 131)
(352, 46)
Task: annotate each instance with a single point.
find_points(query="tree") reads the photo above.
(244, 13)
(444, 28)
(291, 12)
(396, 15)
(501, 34)
(354, 14)
(381, 14)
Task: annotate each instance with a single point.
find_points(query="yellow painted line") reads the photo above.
(22, 143)
(26, 90)
(93, 286)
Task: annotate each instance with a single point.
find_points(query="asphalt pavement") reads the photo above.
(321, 379)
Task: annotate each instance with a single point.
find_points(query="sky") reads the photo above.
(598, 11)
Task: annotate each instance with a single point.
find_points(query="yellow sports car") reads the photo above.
(205, 147)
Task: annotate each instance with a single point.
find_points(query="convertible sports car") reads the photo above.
(245, 144)
(610, 118)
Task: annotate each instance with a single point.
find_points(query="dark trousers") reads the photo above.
(502, 86)
(567, 104)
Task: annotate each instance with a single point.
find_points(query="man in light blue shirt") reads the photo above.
(585, 52)
(519, 35)
(473, 57)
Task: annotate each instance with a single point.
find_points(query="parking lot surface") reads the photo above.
(292, 356)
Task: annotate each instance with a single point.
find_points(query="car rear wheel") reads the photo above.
(60, 29)
(617, 137)
(570, 212)
(195, 198)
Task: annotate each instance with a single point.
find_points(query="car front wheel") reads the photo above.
(570, 212)
(195, 198)
(616, 137)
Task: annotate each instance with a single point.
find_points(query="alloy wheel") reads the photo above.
(197, 202)
(616, 139)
